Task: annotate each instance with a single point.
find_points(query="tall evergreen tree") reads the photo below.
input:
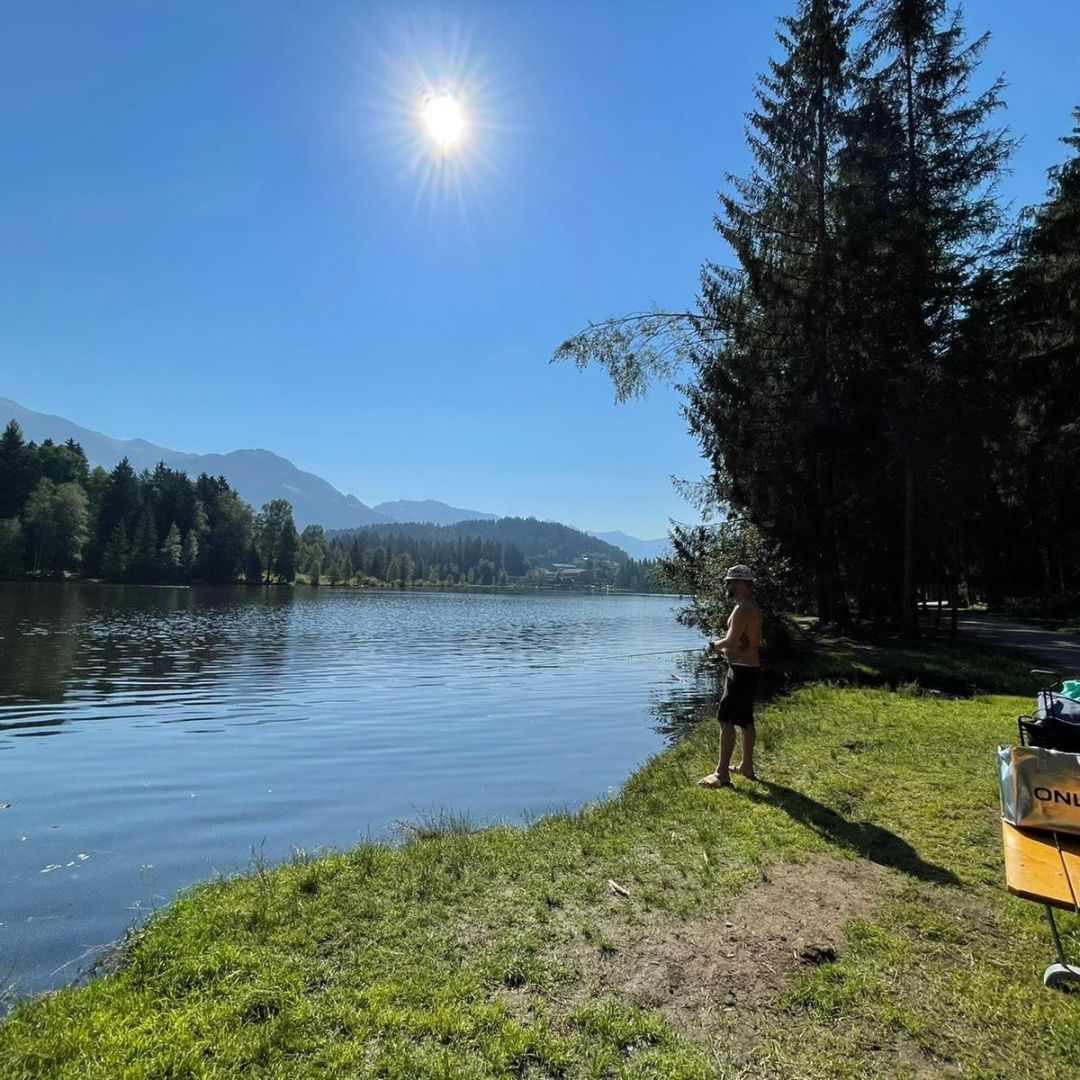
(144, 548)
(170, 555)
(16, 480)
(1045, 319)
(121, 503)
(12, 548)
(767, 404)
(231, 533)
(116, 557)
(931, 169)
(189, 554)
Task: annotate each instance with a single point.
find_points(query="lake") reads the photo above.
(153, 737)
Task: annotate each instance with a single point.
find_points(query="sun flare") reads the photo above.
(444, 120)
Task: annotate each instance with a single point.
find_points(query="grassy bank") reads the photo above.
(846, 918)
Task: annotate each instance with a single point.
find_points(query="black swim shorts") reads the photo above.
(737, 700)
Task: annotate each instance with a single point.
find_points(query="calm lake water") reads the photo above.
(152, 737)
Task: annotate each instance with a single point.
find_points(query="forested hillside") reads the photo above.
(485, 553)
(59, 517)
(548, 541)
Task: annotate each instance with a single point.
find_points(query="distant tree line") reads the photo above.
(884, 379)
(414, 553)
(548, 541)
(57, 516)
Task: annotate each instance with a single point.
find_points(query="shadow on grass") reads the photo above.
(869, 841)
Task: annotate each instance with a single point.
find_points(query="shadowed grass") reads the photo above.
(467, 953)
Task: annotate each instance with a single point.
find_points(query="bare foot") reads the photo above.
(713, 780)
(749, 774)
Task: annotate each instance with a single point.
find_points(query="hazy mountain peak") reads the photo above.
(429, 511)
(638, 549)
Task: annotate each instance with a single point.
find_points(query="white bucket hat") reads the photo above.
(739, 573)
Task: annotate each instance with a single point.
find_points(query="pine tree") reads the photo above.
(15, 473)
(171, 556)
(117, 556)
(766, 405)
(932, 171)
(120, 502)
(1045, 317)
(253, 565)
(12, 548)
(144, 549)
(189, 557)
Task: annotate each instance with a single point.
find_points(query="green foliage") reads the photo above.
(144, 548)
(873, 387)
(277, 541)
(312, 547)
(117, 555)
(55, 518)
(162, 526)
(486, 553)
(16, 471)
(157, 526)
(701, 557)
(12, 547)
(171, 555)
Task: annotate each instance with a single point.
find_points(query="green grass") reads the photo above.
(504, 952)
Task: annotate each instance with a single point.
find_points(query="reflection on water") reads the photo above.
(692, 698)
(136, 646)
(186, 727)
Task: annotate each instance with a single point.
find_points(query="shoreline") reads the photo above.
(550, 949)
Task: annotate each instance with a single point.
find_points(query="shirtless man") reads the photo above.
(741, 647)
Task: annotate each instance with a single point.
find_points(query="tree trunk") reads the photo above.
(910, 614)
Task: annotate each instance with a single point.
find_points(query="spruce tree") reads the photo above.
(767, 403)
(1045, 318)
(12, 548)
(144, 549)
(189, 557)
(117, 556)
(253, 565)
(15, 473)
(930, 166)
(171, 554)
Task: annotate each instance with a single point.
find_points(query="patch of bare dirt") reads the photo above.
(693, 970)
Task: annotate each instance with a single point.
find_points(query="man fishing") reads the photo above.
(741, 648)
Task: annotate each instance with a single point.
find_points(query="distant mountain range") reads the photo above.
(638, 549)
(260, 476)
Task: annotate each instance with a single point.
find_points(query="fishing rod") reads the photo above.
(633, 656)
(614, 656)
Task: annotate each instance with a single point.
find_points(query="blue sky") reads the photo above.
(220, 228)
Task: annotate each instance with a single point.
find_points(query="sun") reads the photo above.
(444, 120)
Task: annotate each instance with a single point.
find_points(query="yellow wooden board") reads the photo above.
(1042, 866)
(1070, 856)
